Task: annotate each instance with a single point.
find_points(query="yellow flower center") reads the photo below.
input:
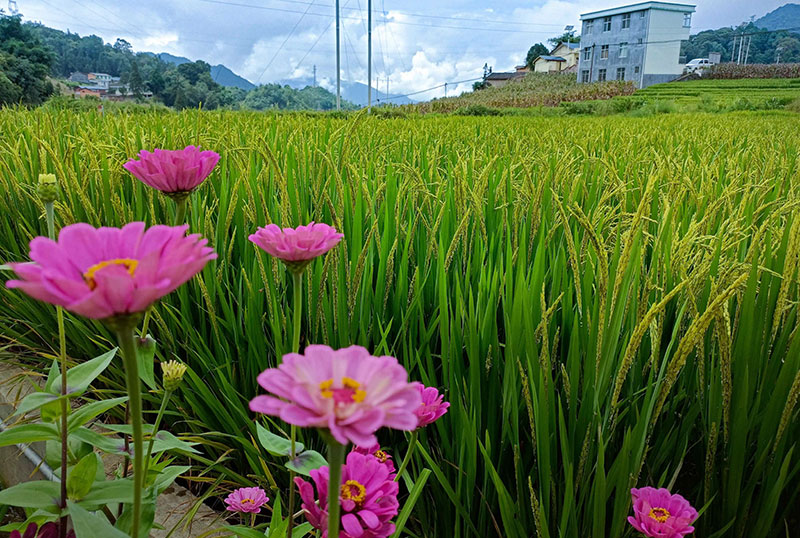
(381, 455)
(248, 501)
(350, 391)
(352, 490)
(659, 514)
(127, 263)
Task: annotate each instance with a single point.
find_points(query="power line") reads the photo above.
(406, 23)
(284, 43)
(420, 15)
(442, 85)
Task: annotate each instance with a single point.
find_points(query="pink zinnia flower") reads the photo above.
(248, 500)
(104, 272)
(296, 247)
(432, 406)
(348, 391)
(381, 455)
(368, 498)
(659, 514)
(176, 172)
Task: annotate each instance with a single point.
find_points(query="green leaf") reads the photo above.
(80, 377)
(301, 530)
(244, 532)
(35, 494)
(145, 354)
(145, 523)
(81, 477)
(28, 433)
(35, 401)
(115, 491)
(89, 525)
(109, 445)
(167, 441)
(168, 476)
(306, 462)
(51, 377)
(276, 445)
(413, 496)
(87, 412)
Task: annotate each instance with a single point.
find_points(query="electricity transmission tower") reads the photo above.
(12, 7)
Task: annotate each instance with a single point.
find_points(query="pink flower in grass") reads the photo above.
(347, 391)
(296, 247)
(247, 500)
(659, 514)
(382, 456)
(105, 272)
(432, 407)
(173, 171)
(368, 498)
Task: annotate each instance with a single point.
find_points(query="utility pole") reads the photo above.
(369, 55)
(315, 75)
(778, 54)
(445, 90)
(747, 51)
(733, 51)
(338, 63)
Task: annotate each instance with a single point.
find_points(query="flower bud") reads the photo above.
(47, 188)
(173, 374)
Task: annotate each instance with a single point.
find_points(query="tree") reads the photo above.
(120, 45)
(566, 37)
(534, 52)
(135, 79)
(24, 65)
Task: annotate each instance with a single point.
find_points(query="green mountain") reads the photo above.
(786, 17)
(221, 74)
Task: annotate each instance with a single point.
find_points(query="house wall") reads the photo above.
(635, 36)
(662, 58)
(570, 55)
(648, 61)
(545, 66)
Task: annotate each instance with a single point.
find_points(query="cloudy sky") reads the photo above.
(417, 44)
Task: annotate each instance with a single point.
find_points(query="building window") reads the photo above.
(587, 54)
(626, 21)
(604, 52)
(620, 73)
(588, 27)
(606, 24)
(640, 41)
(585, 75)
(623, 50)
(687, 20)
(601, 75)
(642, 14)
(636, 70)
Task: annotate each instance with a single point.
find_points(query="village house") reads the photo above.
(562, 59)
(638, 42)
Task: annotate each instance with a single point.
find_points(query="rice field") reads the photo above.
(606, 302)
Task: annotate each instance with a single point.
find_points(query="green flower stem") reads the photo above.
(297, 306)
(128, 347)
(180, 211)
(159, 416)
(335, 461)
(146, 322)
(412, 444)
(62, 356)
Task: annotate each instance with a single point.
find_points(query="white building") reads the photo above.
(638, 42)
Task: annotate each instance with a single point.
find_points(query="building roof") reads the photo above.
(502, 76)
(641, 6)
(552, 58)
